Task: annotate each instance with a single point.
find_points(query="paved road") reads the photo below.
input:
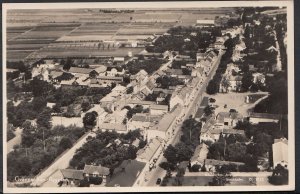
(190, 110)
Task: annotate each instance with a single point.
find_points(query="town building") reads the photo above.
(200, 155)
(256, 118)
(96, 171)
(165, 127)
(151, 150)
(280, 152)
(210, 164)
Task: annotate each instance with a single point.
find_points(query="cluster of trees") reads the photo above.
(153, 97)
(134, 110)
(233, 148)
(213, 86)
(96, 151)
(89, 119)
(19, 65)
(149, 65)
(280, 176)
(183, 151)
(40, 146)
(277, 101)
(167, 81)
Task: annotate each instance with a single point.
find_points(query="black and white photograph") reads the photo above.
(148, 96)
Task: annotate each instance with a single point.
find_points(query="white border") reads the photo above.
(201, 4)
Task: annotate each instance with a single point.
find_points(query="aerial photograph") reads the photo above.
(147, 97)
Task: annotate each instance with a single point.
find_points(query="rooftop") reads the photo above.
(221, 162)
(80, 70)
(72, 174)
(200, 153)
(91, 169)
(149, 150)
(264, 115)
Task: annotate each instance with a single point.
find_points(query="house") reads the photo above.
(71, 176)
(119, 128)
(148, 88)
(200, 155)
(210, 164)
(81, 82)
(157, 109)
(96, 171)
(41, 73)
(259, 78)
(101, 70)
(256, 118)
(119, 89)
(197, 72)
(228, 119)
(205, 23)
(145, 104)
(113, 71)
(180, 96)
(151, 150)
(142, 121)
(54, 75)
(200, 111)
(212, 130)
(165, 127)
(280, 152)
(200, 56)
(174, 72)
(77, 71)
(126, 174)
(234, 83)
(109, 79)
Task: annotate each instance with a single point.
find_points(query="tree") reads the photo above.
(196, 168)
(221, 177)
(85, 105)
(236, 152)
(44, 118)
(167, 166)
(68, 64)
(208, 110)
(129, 90)
(170, 154)
(225, 84)
(65, 143)
(280, 176)
(212, 87)
(246, 81)
(89, 119)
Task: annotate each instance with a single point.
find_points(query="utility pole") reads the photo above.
(44, 141)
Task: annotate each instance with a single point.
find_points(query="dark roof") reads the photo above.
(72, 174)
(118, 68)
(126, 174)
(265, 115)
(204, 101)
(80, 70)
(199, 113)
(91, 169)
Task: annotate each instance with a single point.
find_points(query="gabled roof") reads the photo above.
(72, 174)
(264, 115)
(142, 117)
(80, 70)
(221, 162)
(113, 126)
(149, 150)
(174, 71)
(101, 69)
(150, 84)
(91, 169)
(228, 115)
(159, 107)
(55, 74)
(200, 153)
(168, 119)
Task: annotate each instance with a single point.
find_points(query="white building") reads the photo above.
(280, 152)
(256, 118)
(200, 155)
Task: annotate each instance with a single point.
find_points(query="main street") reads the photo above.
(197, 95)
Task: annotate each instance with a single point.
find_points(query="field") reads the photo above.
(43, 31)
